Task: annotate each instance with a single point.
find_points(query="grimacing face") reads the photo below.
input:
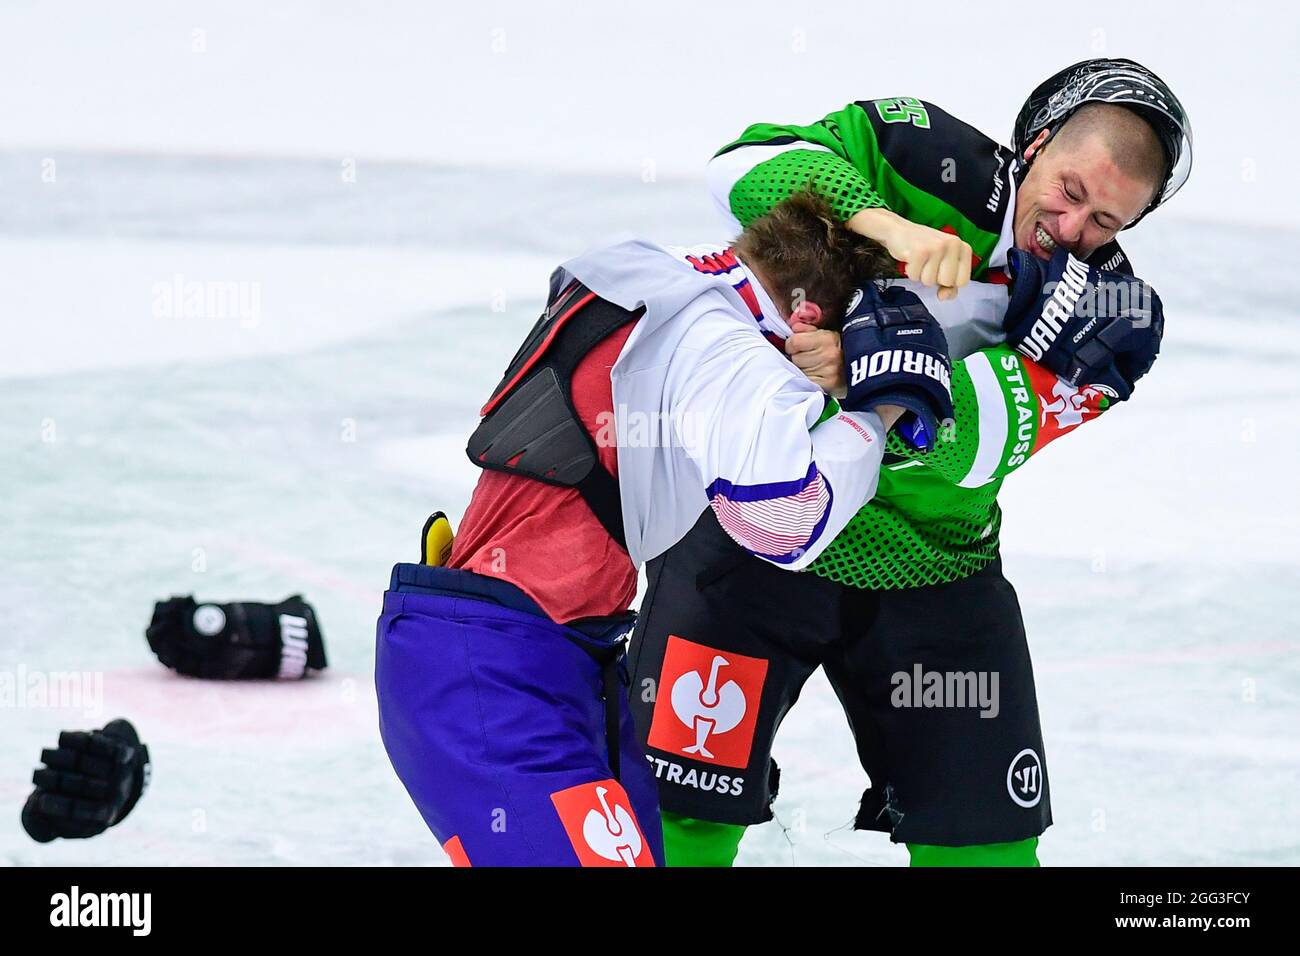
(1075, 196)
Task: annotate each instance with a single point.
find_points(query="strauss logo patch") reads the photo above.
(711, 707)
(600, 824)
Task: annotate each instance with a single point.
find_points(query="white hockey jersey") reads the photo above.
(708, 413)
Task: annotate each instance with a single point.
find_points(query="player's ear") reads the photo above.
(808, 312)
(1037, 144)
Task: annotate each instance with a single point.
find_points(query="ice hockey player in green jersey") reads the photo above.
(907, 610)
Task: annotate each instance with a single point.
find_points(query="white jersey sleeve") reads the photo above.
(782, 473)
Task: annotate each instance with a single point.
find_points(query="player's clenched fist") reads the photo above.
(818, 354)
(931, 257)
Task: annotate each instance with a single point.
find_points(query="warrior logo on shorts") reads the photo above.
(1025, 778)
(712, 703)
(600, 825)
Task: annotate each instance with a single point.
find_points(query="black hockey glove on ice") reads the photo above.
(1089, 327)
(88, 784)
(897, 354)
(242, 639)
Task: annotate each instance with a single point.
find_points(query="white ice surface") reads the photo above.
(635, 89)
(283, 297)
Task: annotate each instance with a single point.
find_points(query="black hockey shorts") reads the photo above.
(936, 682)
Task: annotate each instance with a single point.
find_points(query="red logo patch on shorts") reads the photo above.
(601, 826)
(457, 852)
(707, 703)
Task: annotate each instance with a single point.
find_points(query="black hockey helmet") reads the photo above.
(1124, 83)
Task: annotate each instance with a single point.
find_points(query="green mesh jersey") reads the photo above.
(902, 153)
(935, 517)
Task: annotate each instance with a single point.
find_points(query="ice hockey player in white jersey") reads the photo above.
(649, 391)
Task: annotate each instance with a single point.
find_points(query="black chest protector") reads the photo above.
(530, 426)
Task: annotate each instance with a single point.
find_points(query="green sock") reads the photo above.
(1019, 853)
(691, 842)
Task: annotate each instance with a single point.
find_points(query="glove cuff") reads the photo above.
(315, 649)
(919, 428)
(1026, 286)
(122, 729)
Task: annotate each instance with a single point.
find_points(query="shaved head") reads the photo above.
(1088, 181)
(1130, 140)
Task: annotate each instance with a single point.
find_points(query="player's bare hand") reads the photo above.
(817, 353)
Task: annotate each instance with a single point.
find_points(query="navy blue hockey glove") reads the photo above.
(89, 783)
(239, 640)
(897, 354)
(1089, 327)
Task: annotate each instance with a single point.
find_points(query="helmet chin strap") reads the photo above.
(1143, 214)
(1019, 167)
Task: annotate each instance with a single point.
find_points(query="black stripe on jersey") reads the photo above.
(950, 160)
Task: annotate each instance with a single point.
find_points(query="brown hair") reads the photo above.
(804, 251)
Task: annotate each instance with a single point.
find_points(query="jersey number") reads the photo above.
(904, 109)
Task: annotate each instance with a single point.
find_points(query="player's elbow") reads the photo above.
(784, 523)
